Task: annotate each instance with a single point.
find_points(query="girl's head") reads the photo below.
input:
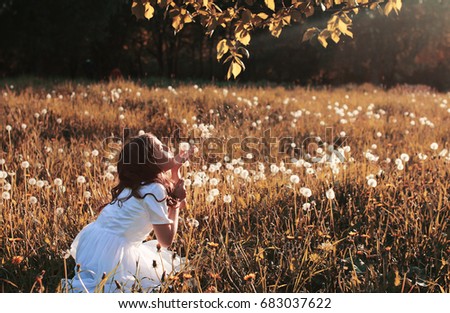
(143, 160)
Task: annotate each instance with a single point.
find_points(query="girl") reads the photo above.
(110, 253)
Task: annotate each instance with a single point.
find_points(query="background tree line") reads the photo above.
(92, 39)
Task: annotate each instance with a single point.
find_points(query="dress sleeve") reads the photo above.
(156, 204)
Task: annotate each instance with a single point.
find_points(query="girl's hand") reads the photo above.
(182, 204)
(183, 156)
(180, 158)
(179, 192)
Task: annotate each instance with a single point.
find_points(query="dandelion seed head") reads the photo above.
(330, 194)
(214, 192)
(192, 222)
(81, 180)
(294, 179)
(109, 176)
(306, 192)
(7, 187)
(372, 182)
(404, 157)
(434, 146)
(422, 156)
(244, 174)
(6, 195)
(184, 146)
(227, 199)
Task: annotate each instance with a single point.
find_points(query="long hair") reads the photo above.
(137, 167)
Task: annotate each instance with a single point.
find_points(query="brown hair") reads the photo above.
(137, 167)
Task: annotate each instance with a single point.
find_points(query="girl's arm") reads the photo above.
(165, 233)
(179, 160)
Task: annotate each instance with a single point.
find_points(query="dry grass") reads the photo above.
(390, 238)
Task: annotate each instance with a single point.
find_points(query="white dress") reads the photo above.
(113, 244)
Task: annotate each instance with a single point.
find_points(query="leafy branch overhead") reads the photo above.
(235, 20)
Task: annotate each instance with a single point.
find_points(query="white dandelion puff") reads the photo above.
(81, 180)
(214, 192)
(192, 222)
(244, 174)
(6, 195)
(227, 198)
(422, 156)
(109, 176)
(184, 146)
(434, 146)
(306, 192)
(404, 157)
(372, 182)
(443, 153)
(330, 194)
(294, 179)
(33, 200)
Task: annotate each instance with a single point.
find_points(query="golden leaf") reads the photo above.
(149, 11)
(388, 8)
(176, 22)
(244, 37)
(309, 33)
(343, 27)
(335, 36)
(234, 70)
(270, 4)
(323, 40)
(397, 279)
(222, 48)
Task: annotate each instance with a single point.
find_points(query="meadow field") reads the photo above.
(292, 189)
